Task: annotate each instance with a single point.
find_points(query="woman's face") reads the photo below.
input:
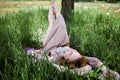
(53, 57)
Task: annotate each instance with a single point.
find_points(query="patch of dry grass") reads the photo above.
(24, 3)
(15, 6)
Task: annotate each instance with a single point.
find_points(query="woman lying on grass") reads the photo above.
(56, 45)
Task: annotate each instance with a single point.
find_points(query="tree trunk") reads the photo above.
(67, 8)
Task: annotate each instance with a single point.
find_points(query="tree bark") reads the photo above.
(67, 8)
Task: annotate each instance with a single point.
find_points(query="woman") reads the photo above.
(56, 44)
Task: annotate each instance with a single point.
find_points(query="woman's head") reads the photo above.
(80, 62)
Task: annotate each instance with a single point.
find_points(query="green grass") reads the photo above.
(92, 33)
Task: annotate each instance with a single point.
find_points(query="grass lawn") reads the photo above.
(94, 30)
